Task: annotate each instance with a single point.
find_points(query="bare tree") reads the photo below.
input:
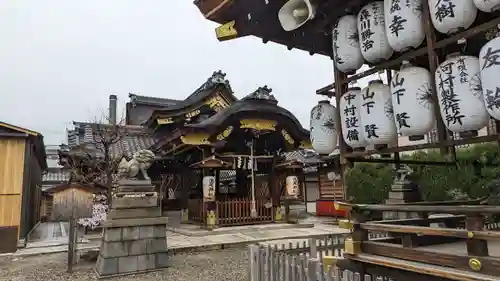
(106, 136)
(96, 162)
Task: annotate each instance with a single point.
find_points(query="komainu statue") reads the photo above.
(137, 166)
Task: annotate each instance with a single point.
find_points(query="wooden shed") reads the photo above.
(22, 162)
(72, 199)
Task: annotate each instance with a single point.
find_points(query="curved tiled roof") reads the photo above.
(258, 103)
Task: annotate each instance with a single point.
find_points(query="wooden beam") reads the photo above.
(432, 231)
(490, 265)
(460, 210)
(423, 270)
(449, 142)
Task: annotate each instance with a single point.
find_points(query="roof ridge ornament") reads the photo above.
(262, 93)
(218, 77)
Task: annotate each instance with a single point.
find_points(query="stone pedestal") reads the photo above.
(403, 190)
(134, 238)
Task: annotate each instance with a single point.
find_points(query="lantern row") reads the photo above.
(382, 27)
(468, 90)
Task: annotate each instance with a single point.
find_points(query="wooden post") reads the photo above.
(302, 179)
(476, 247)
(253, 210)
(210, 206)
(433, 61)
(184, 196)
(340, 89)
(71, 244)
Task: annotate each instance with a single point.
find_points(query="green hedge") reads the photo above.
(369, 183)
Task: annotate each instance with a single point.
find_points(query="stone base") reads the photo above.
(112, 267)
(134, 213)
(128, 249)
(125, 202)
(134, 237)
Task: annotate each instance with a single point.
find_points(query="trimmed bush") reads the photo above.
(369, 183)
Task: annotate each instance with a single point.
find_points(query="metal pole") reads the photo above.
(253, 211)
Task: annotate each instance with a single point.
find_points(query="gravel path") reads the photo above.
(230, 265)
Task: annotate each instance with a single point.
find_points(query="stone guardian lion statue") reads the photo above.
(137, 166)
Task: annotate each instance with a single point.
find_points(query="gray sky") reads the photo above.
(59, 60)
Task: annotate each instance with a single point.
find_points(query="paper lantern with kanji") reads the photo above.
(323, 128)
(460, 95)
(404, 24)
(372, 33)
(209, 186)
(352, 129)
(411, 93)
(292, 186)
(346, 50)
(489, 63)
(487, 6)
(377, 116)
(452, 16)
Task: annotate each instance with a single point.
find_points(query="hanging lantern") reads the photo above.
(404, 24)
(452, 16)
(292, 186)
(487, 6)
(323, 130)
(208, 188)
(460, 94)
(346, 52)
(352, 130)
(413, 109)
(372, 33)
(489, 63)
(377, 116)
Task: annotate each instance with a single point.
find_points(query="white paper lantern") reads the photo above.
(372, 33)
(460, 94)
(292, 186)
(323, 128)
(489, 63)
(377, 116)
(352, 129)
(452, 16)
(404, 24)
(346, 50)
(487, 6)
(208, 188)
(413, 109)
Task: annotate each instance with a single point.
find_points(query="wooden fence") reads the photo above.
(237, 212)
(306, 261)
(231, 211)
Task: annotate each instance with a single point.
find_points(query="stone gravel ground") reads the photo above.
(221, 265)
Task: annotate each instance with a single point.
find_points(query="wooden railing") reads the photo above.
(455, 249)
(238, 212)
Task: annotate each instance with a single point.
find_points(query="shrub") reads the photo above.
(369, 183)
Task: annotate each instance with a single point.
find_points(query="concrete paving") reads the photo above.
(51, 240)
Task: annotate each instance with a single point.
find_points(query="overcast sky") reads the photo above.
(60, 60)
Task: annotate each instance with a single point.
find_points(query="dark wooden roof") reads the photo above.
(9, 130)
(259, 18)
(259, 104)
(215, 82)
